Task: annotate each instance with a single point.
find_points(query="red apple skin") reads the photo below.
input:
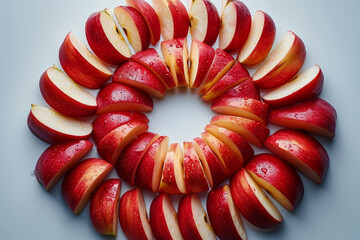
(246, 89)
(150, 59)
(58, 159)
(279, 175)
(301, 151)
(315, 116)
(107, 122)
(116, 97)
(78, 68)
(103, 207)
(99, 43)
(150, 17)
(60, 101)
(136, 75)
(82, 180)
(130, 158)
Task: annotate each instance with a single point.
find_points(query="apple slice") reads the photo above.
(314, 116)
(260, 40)
(148, 174)
(304, 86)
(219, 67)
(223, 215)
(117, 97)
(134, 26)
(103, 207)
(214, 171)
(82, 180)
(107, 122)
(195, 180)
(236, 75)
(279, 179)
(174, 19)
(283, 62)
(301, 151)
(172, 178)
(150, 17)
(150, 59)
(193, 221)
(204, 21)
(65, 95)
(252, 203)
(235, 26)
(242, 107)
(136, 75)
(113, 143)
(130, 158)
(58, 159)
(163, 219)
(133, 216)
(253, 131)
(105, 39)
(246, 89)
(53, 127)
(201, 58)
(81, 65)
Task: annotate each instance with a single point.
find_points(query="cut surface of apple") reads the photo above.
(304, 86)
(53, 127)
(246, 89)
(65, 95)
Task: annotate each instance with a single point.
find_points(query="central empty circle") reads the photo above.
(180, 115)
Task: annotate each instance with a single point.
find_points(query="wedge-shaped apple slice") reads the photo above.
(134, 26)
(195, 180)
(105, 39)
(58, 159)
(201, 58)
(204, 21)
(65, 95)
(304, 86)
(253, 131)
(148, 174)
(214, 171)
(82, 180)
(246, 89)
(260, 40)
(53, 127)
(130, 158)
(81, 65)
(150, 17)
(235, 26)
(136, 75)
(279, 179)
(117, 97)
(226, 156)
(236, 75)
(242, 107)
(301, 151)
(133, 216)
(163, 219)
(193, 221)
(174, 19)
(153, 61)
(314, 116)
(112, 145)
(219, 67)
(172, 178)
(104, 207)
(283, 62)
(176, 57)
(107, 122)
(252, 203)
(223, 215)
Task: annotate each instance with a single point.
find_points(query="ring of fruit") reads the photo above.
(145, 159)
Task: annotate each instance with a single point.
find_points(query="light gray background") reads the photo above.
(31, 33)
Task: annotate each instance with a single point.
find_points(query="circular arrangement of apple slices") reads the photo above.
(145, 159)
